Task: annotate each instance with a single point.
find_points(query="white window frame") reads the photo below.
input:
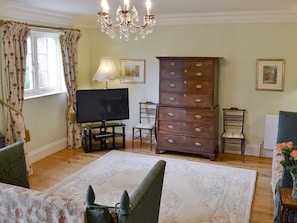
(36, 90)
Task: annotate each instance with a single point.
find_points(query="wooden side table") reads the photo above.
(288, 206)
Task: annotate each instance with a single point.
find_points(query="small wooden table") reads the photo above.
(288, 206)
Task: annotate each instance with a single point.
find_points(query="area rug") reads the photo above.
(193, 192)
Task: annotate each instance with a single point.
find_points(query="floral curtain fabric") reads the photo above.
(14, 37)
(69, 41)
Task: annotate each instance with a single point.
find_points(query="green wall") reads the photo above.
(239, 45)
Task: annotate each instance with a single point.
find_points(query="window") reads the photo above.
(44, 74)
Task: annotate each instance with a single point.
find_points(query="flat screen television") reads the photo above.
(102, 105)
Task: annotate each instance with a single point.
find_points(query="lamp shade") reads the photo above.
(106, 70)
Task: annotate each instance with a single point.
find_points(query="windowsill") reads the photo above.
(44, 95)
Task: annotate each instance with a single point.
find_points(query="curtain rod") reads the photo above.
(2, 22)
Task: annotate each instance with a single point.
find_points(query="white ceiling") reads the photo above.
(83, 12)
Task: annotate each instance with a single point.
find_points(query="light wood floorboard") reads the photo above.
(54, 168)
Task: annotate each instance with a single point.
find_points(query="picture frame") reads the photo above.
(270, 74)
(132, 71)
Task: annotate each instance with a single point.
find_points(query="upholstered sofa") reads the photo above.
(21, 204)
(287, 131)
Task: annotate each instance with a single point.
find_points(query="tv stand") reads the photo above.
(102, 136)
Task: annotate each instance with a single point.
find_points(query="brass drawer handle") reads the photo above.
(170, 127)
(198, 86)
(170, 114)
(199, 74)
(198, 64)
(172, 85)
(197, 144)
(172, 99)
(198, 100)
(170, 141)
(198, 129)
(172, 73)
(198, 116)
(172, 64)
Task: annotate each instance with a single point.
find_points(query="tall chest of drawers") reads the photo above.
(188, 110)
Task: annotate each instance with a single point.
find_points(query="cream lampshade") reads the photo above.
(106, 71)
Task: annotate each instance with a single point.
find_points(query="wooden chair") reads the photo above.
(233, 126)
(147, 123)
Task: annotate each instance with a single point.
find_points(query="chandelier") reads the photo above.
(128, 21)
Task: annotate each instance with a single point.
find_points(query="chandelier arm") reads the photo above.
(139, 26)
(150, 17)
(112, 24)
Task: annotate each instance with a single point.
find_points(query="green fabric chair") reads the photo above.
(13, 168)
(141, 207)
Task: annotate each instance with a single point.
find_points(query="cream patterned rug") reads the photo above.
(193, 192)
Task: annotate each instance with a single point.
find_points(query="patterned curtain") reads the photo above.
(69, 40)
(14, 38)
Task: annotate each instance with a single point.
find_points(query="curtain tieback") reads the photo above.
(27, 132)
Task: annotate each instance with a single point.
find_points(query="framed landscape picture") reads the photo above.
(270, 74)
(132, 71)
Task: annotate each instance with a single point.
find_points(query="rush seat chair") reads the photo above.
(233, 129)
(147, 123)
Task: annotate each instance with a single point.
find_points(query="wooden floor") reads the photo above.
(56, 167)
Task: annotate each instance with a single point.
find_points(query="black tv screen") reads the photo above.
(102, 105)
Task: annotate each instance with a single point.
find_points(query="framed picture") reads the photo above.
(132, 71)
(270, 74)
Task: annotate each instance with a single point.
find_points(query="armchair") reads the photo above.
(142, 206)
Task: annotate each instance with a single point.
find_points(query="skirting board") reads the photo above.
(250, 150)
(47, 150)
(44, 151)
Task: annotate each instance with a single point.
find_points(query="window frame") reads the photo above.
(60, 86)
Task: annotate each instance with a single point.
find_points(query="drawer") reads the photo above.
(186, 86)
(172, 73)
(199, 74)
(204, 64)
(187, 100)
(185, 143)
(195, 129)
(186, 74)
(174, 64)
(185, 114)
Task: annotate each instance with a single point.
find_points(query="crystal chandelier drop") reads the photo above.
(128, 21)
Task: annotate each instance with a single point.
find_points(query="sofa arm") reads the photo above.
(19, 204)
(277, 169)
